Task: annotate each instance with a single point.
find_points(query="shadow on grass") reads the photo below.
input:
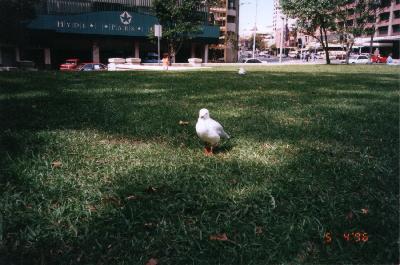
(343, 130)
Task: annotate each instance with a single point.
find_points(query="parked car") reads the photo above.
(69, 65)
(251, 60)
(26, 65)
(293, 54)
(357, 59)
(151, 57)
(341, 56)
(91, 67)
(378, 59)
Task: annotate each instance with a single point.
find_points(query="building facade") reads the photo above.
(387, 35)
(95, 30)
(225, 15)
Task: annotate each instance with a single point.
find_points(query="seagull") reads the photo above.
(209, 131)
(242, 71)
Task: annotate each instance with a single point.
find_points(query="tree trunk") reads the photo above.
(348, 51)
(328, 60)
(371, 43)
(323, 38)
(171, 53)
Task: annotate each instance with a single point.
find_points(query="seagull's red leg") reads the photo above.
(208, 151)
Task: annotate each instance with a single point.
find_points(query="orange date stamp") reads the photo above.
(354, 237)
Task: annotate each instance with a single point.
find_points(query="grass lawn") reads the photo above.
(95, 168)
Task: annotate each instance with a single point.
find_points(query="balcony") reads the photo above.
(218, 9)
(232, 12)
(383, 31)
(219, 18)
(231, 27)
(396, 29)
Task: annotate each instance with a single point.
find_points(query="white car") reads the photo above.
(293, 54)
(358, 59)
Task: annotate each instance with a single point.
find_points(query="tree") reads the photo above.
(180, 19)
(260, 44)
(13, 14)
(314, 18)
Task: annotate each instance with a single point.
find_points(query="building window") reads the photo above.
(350, 12)
(231, 19)
(231, 4)
(397, 13)
(384, 16)
(383, 30)
(371, 19)
(385, 3)
(396, 28)
(349, 23)
(369, 31)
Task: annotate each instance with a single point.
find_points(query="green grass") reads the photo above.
(312, 147)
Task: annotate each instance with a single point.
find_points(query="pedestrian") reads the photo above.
(165, 61)
(307, 56)
(389, 59)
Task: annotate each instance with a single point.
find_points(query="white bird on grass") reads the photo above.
(242, 71)
(209, 131)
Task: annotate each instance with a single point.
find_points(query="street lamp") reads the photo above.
(254, 40)
(281, 48)
(255, 31)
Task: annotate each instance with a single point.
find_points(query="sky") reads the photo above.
(248, 11)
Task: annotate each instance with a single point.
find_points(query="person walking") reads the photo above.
(389, 59)
(165, 61)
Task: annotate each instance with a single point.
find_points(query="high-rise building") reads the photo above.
(279, 22)
(226, 16)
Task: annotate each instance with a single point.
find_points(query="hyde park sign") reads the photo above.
(107, 23)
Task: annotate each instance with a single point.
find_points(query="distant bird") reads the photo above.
(209, 131)
(242, 71)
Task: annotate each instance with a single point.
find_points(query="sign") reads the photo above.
(158, 31)
(109, 23)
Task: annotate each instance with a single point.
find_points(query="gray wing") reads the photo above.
(218, 127)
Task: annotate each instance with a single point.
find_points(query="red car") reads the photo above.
(69, 65)
(378, 59)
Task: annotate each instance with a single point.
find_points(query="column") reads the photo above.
(205, 60)
(1, 57)
(137, 49)
(391, 16)
(47, 58)
(193, 51)
(17, 54)
(96, 52)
